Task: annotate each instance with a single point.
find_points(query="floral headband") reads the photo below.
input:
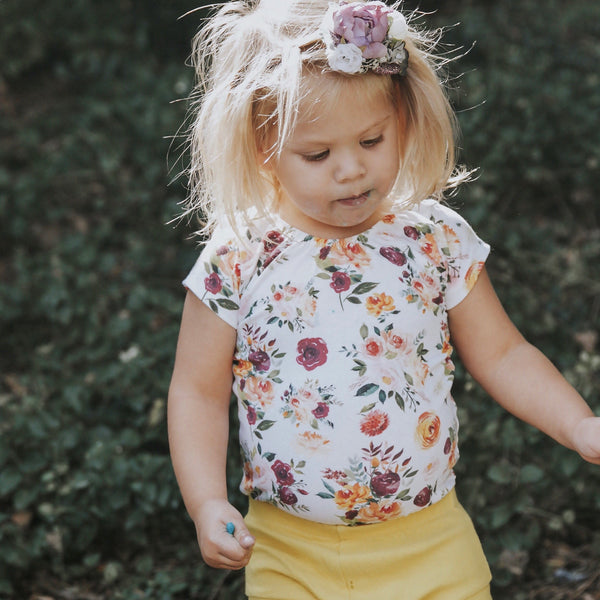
(365, 36)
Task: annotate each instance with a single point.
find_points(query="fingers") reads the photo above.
(225, 544)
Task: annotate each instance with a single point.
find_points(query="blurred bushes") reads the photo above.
(90, 295)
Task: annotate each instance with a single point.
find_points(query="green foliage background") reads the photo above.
(90, 295)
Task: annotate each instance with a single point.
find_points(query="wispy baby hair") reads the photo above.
(250, 59)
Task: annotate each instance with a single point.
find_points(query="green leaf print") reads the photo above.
(264, 425)
(227, 304)
(365, 287)
(367, 390)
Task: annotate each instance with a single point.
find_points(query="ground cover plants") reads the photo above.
(90, 295)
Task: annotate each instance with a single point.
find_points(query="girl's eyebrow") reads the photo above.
(308, 139)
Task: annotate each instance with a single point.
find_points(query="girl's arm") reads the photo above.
(198, 418)
(517, 375)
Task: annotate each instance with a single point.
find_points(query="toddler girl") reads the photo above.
(328, 301)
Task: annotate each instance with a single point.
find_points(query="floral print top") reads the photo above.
(342, 369)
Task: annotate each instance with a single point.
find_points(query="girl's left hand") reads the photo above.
(586, 439)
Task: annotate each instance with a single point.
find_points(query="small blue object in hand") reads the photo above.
(230, 528)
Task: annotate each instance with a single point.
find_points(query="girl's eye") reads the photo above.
(316, 157)
(372, 142)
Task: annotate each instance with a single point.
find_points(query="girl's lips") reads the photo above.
(354, 200)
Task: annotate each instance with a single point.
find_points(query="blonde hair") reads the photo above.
(251, 58)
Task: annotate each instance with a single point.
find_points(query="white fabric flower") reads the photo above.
(399, 28)
(346, 58)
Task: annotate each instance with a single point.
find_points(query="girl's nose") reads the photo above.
(349, 167)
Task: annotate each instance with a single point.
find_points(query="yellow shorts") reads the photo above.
(433, 554)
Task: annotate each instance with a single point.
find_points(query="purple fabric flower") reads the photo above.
(364, 25)
(251, 415)
(213, 283)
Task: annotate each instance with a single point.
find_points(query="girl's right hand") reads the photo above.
(219, 548)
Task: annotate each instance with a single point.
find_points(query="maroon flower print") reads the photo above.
(287, 496)
(271, 258)
(312, 353)
(411, 232)
(384, 484)
(321, 411)
(340, 282)
(423, 497)
(447, 446)
(351, 514)
(260, 359)
(272, 240)
(283, 472)
(213, 283)
(393, 255)
(324, 252)
(251, 415)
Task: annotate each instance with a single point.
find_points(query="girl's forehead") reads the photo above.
(325, 94)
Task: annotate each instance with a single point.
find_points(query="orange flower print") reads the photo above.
(473, 273)
(428, 291)
(428, 430)
(389, 219)
(343, 252)
(374, 423)
(351, 495)
(242, 368)
(374, 512)
(259, 390)
(311, 441)
(430, 248)
(373, 347)
(379, 303)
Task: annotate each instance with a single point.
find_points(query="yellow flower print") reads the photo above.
(428, 430)
(379, 303)
(351, 495)
(473, 274)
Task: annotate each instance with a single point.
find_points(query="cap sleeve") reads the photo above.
(216, 278)
(465, 253)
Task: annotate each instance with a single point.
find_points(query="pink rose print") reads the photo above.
(321, 411)
(283, 472)
(340, 282)
(385, 484)
(364, 25)
(312, 353)
(260, 359)
(393, 255)
(213, 283)
(287, 496)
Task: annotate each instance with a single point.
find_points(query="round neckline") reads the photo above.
(296, 232)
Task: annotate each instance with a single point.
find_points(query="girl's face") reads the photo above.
(339, 165)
